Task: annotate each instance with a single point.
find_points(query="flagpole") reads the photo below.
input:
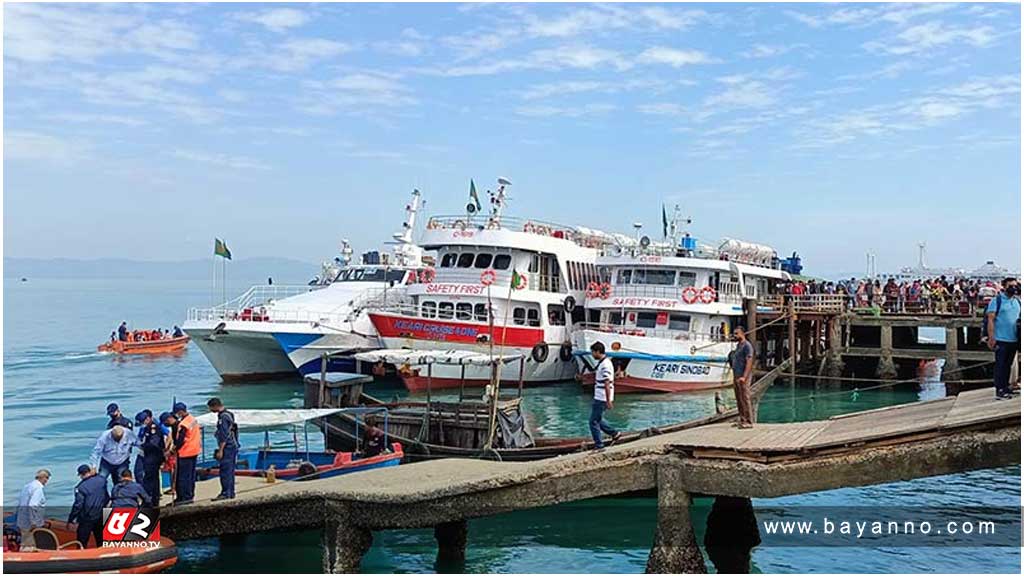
(223, 279)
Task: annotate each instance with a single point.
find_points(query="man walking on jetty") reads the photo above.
(1003, 327)
(604, 396)
(742, 368)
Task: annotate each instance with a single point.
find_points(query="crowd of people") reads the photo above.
(123, 334)
(940, 295)
(171, 442)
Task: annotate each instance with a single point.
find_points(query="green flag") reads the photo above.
(472, 194)
(518, 280)
(220, 248)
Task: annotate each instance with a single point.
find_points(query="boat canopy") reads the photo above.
(457, 357)
(271, 419)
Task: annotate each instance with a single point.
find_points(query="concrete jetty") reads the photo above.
(954, 434)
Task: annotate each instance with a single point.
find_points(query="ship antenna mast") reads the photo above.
(498, 200)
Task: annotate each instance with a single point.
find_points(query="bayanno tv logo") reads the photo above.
(131, 528)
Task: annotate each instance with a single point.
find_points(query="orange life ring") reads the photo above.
(487, 277)
(604, 291)
(427, 275)
(689, 294)
(593, 289)
(707, 294)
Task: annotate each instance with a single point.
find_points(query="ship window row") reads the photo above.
(450, 310)
(525, 316)
(581, 274)
(680, 322)
(656, 276)
(481, 260)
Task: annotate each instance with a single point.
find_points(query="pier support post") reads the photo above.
(451, 546)
(344, 545)
(675, 549)
(951, 368)
(834, 365)
(731, 534)
(886, 365)
(792, 339)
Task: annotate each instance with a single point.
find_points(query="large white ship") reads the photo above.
(272, 331)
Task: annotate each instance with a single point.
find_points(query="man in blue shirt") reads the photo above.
(1003, 314)
(151, 441)
(227, 448)
(90, 499)
(112, 452)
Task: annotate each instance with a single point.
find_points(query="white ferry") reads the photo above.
(272, 331)
(665, 312)
(523, 272)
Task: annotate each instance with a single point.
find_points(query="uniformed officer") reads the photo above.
(116, 418)
(128, 493)
(188, 445)
(151, 441)
(141, 420)
(90, 499)
(227, 447)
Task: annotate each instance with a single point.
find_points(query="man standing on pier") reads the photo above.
(742, 368)
(604, 396)
(1003, 314)
(188, 445)
(227, 448)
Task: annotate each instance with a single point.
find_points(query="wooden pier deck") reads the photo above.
(971, 431)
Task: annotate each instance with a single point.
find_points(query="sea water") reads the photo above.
(56, 388)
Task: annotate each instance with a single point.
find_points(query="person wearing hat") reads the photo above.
(128, 493)
(151, 441)
(113, 452)
(227, 447)
(116, 418)
(90, 499)
(188, 445)
(141, 420)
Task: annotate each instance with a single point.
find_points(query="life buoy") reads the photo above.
(592, 289)
(487, 277)
(427, 275)
(689, 294)
(539, 352)
(707, 294)
(569, 304)
(565, 352)
(604, 291)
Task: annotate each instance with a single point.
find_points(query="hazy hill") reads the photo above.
(253, 270)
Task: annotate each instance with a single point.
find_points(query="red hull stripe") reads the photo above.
(445, 331)
(631, 384)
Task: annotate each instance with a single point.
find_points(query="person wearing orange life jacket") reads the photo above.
(188, 445)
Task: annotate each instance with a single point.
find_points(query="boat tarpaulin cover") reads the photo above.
(254, 420)
(512, 429)
(400, 356)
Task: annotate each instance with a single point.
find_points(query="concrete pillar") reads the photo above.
(792, 339)
(344, 545)
(951, 369)
(675, 549)
(834, 365)
(731, 534)
(451, 546)
(886, 364)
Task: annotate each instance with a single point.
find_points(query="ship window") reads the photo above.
(483, 260)
(465, 260)
(556, 315)
(533, 317)
(687, 279)
(396, 276)
(615, 318)
(429, 309)
(646, 319)
(448, 260)
(640, 276)
(480, 312)
(502, 261)
(679, 322)
(624, 276)
(464, 311)
(519, 316)
(661, 277)
(445, 310)
(535, 263)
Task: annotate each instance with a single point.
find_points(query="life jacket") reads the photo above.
(193, 442)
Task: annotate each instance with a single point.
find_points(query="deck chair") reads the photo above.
(46, 539)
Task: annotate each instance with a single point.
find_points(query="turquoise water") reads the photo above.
(56, 388)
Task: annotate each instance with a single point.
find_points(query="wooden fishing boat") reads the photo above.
(164, 346)
(59, 552)
(299, 462)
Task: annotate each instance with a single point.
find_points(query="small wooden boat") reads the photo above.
(299, 463)
(64, 554)
(164, 346)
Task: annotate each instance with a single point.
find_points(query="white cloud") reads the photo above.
(543, 111)
(558, 58)
(602, 18)
(766, 51)
(277, 20)
(233, 96)
(937, 110)
(300, 53)
(354, 93)
(673, 56)
(662, 109)
(100, 119)
(220, 159)
(37, 147)
(931, 35)
(560, 89)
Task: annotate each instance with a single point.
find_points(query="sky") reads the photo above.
(144, 131)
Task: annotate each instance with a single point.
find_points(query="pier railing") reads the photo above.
(806, 303)
(728, 292)
(514, 224)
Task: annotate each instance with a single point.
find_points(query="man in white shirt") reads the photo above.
(604, 395)
(32, 508)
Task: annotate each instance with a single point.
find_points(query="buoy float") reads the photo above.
(707, 294)
(487, 277)
(689, 295)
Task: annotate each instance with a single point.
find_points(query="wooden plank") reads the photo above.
(976, 412)
(890, 408)
(916, 417)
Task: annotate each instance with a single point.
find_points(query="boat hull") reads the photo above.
(254, 463)
(306, 349)
(91, 560)
(166, 346)
(239, 353)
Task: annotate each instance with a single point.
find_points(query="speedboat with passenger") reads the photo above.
(272, 331)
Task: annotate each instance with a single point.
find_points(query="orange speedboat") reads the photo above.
(161, 346)
(58, 551)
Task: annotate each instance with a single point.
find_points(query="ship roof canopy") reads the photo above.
(270, 419)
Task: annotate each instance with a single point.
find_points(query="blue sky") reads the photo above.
(143, 131)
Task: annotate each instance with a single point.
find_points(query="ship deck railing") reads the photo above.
(256, 305)
(655, 333)
(478, 221)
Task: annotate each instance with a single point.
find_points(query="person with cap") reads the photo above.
(187, 445)
(116, 418)
(151, 442)
(141, 419)
(32, 508)
(90, 500)
(227, 447)
(128, 493)
(112, 452)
